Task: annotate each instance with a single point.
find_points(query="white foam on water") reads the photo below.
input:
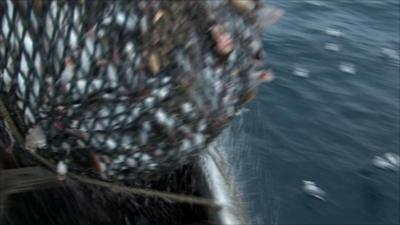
(390, 161)
(333, 32)
(332, 47)
(347, 68)
(315, 2)
(393, 159)
(301, 71)
(391, 53)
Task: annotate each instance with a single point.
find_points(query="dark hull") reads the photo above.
(86, 204)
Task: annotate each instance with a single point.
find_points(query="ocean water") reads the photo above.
(333, 107)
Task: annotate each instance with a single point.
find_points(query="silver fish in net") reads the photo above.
(128, 89)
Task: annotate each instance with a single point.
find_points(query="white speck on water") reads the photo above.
(381, 163)
(300, 71)
(390, 161)
(393, 158)
(333, 32)
(315, 2)
(332, 47)
(391, 53)
(311, 188)
(347, 68)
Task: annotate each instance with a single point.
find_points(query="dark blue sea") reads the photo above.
(332, 108)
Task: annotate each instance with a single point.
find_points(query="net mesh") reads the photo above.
(125, 89)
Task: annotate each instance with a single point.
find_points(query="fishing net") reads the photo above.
(127, 89)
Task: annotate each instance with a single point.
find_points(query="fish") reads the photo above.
(61, 170)
(35, 139)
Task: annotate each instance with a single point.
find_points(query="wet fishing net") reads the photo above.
(127, 90)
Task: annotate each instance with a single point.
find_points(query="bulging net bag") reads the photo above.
(128, 89)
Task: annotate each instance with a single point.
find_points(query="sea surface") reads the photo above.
(332, 108)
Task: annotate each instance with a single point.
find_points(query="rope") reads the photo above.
(7, 118)
(113, 187)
